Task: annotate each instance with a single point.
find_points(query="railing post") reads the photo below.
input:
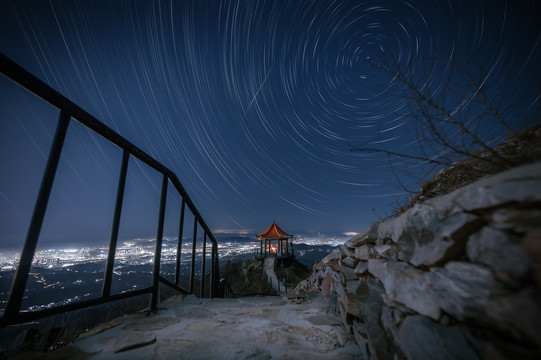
(202, 294)
(192, 268)
(213, 287)
(106, 290)
(179, 246)
(21, 276)
(158, 251)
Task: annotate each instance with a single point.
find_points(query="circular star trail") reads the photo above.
(256, 104)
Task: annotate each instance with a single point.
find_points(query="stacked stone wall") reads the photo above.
(457, 276)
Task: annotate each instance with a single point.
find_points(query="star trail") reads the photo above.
(253, 104)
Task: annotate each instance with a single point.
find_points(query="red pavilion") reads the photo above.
(283, 241)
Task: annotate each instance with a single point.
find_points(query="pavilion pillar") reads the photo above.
(287, 246)
(261, 247)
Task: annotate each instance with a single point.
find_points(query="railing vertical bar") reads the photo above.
(212, 272)
(192, 268)
(21, 276)
(106, 290)
(158, 251)
(179, 246)
(203, 265)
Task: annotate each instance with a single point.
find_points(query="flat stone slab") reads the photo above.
(248, 328)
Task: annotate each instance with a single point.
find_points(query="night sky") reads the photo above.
(253, 104)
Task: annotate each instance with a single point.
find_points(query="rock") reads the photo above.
(360, 335)
(132, 340)
(361, 268)
(503, 351)
(393, 228)
(323, 320)
(349, 273)
(334, 264)
(462, 289)
(344, 252)
(294, 354)
(334, 255)
(389, 321)
(369, 309)
(518, 314)
(406, 285)
(368, 236)
(519, 184)
(349, 262)
(206, 349)
(382, 250)
(498, 250)
(156, 323)
(326, 286)
(352, 286)
(426, 241)
(421, 338)
(519, 220)
(296, 336)
(303, 287)
(532, 246)
(362, 252)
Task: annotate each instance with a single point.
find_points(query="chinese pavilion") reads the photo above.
(283, 241)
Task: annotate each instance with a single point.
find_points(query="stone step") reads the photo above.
(273, 327)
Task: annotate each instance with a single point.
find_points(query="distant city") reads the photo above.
(64, 275)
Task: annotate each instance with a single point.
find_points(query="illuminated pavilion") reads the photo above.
(283, 241)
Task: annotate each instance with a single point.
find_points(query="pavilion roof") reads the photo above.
(274, 232)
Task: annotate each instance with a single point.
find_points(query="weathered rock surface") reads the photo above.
(246, 328)
(499, 250)
(422, 338)
(456, 277)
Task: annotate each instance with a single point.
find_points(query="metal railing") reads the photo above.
(70, 111)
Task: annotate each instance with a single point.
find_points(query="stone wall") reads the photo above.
(457, 276)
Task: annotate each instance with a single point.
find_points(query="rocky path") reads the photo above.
(271, 274)
(247, 328)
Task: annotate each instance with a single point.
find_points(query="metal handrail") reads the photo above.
(68, 111)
